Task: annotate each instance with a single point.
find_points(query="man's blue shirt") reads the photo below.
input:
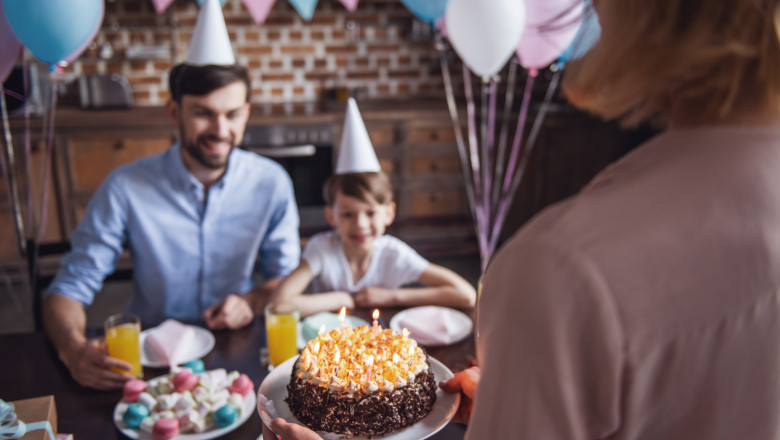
(190, 248)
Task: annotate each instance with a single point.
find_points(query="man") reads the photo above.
(194, 218)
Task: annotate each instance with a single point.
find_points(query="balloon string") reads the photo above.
(485, 151)
(11, 182)
(27, 146)
(502, 139)
(490, 207)
(47, 166)
(475, 166)
(461, 143)
(516, 179)
(519, 132)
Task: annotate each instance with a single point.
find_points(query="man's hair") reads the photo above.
(685, 62)
(202, 80)
(367, 187)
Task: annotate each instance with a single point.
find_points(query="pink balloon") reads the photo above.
(550, 28)
(75, 54)
(9, 48)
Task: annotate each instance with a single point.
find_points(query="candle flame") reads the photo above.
(396, 358)
(336, 357)
(369, 361)
(322, 330)
(375, 315)
(411, 350)
(406, 333)
(342, 314)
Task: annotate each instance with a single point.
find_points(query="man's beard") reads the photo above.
(212, 162)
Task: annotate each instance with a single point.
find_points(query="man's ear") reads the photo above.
(173, 110)
(329, 216)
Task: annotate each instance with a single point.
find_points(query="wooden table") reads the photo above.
(29, 367)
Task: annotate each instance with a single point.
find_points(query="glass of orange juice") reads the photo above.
(281, 329)
(122, 340)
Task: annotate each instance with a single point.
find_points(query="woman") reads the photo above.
(646, 307)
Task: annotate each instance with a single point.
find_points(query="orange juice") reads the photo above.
(282, 332)
(122, 343)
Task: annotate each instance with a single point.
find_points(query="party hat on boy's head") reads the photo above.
(210, 43)
(356, 154)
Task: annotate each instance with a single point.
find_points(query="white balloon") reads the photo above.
(485, 33)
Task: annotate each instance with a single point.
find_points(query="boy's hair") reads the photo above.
(367, 187)
(685, 62)
(202, 80)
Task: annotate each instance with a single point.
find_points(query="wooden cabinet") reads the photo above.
(87, 160)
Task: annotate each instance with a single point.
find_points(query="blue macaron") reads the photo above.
(135, 414)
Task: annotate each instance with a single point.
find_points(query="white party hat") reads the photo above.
(356, 154)
(210, 42)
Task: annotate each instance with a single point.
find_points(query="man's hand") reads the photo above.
(466, 383)
(90, 366)
(288, 431)
(374, 297)
(232, 313)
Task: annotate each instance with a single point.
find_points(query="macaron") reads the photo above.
(166, 428)
(185, 380)
(242, 385)
(132, 389)
(225, 416)
(134, 415)
(196, 366)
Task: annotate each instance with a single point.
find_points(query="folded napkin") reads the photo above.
(169, 342)
(431, 325)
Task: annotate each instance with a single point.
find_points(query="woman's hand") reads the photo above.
(464, 382)
(288, 431)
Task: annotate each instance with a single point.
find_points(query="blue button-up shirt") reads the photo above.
(190, 247)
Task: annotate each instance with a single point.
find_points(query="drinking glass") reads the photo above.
(281, 329)
(122, 340)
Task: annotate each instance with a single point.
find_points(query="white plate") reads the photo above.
(315, 321)
(201, 345)
(461, 322)
(250, 403)
(274, 387)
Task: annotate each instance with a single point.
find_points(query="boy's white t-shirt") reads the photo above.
(393, 264)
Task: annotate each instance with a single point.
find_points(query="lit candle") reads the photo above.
(375, 315)
(336, 363)
(406, 333)
(342, 316)
(322, 330)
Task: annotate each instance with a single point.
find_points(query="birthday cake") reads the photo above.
(361, 382)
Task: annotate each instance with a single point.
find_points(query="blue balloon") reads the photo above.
(53, 29)
(426, 10)
(587, 35)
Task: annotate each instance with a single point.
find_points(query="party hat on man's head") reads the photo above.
(210, 43)
(356, 153)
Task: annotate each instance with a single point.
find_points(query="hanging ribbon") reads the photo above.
(12, 428)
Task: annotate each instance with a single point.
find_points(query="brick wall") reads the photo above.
(379, 51)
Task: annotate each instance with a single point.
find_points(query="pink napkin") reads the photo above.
(168, 342)
(431, 325)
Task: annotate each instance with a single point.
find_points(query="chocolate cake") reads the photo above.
(361, 382)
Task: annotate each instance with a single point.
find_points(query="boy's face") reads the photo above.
(359, 223)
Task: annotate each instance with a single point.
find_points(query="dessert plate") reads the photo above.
(201, 344)
(433, 326)
(310, 326)
(250, 403)
(274, 388)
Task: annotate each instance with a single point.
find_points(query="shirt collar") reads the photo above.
(182, 176)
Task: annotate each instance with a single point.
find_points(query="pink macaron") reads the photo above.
(242, 385)
(165, 428)
(184, 380)
(132, 389)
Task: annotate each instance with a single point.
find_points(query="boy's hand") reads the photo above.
(374, 296)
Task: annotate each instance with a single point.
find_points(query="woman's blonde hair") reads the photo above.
(683, 62)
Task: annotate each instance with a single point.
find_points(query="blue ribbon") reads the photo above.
(12, 428)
